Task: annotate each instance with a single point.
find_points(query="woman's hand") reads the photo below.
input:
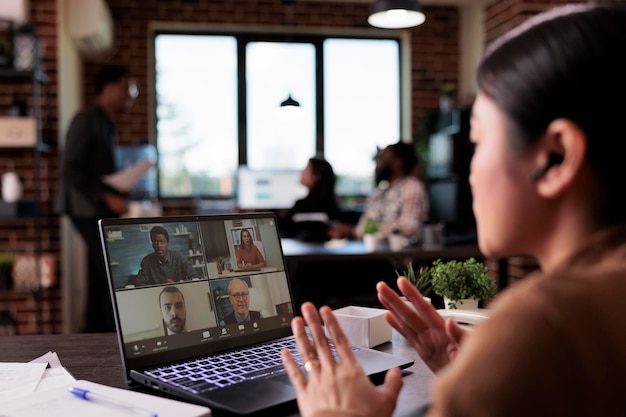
(435, 340)
(340, 388)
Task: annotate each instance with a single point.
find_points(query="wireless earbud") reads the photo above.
(553, 159)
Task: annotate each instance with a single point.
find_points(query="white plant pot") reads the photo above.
(397, 242)
(371, 242)
(464, 304)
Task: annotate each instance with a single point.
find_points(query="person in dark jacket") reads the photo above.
(310, 217)
(85, 197)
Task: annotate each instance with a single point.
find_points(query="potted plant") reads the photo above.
(397, 241)
(422, 280)
(462, 284)
(446, 99)
(370, 235)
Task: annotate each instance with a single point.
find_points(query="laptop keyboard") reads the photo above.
(221, 370)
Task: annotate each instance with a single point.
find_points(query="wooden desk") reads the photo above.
(96, 357)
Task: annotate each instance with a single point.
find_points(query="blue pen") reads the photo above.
(85, 394)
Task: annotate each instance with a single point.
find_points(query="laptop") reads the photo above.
(197, 329)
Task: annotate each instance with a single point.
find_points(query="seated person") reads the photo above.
(248, 255)
(400, 201)
(239, 297)
(163, 265)
(309, 218)
(173, 310)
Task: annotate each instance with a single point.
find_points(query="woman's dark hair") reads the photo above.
(324, 188)
(406, 153)
(567, 63)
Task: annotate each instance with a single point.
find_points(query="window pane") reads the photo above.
(280, 137)
(361, 107)
(196, 111)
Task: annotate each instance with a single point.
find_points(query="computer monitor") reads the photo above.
(268, 189)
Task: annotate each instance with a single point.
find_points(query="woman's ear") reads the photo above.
(565, 146)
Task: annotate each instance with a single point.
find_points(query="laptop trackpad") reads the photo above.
(255, 395)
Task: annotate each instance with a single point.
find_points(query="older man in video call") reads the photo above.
(239, 296)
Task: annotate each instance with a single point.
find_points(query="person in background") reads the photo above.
(310, 217)
(547, 181)
(88, 156)
(248, 255)
(239, 296)
(173, 310)
(399, 203)
(163, 265)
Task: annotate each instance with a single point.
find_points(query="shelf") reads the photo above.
(13, 73)
(19, 209)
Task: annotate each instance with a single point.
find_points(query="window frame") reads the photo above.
(315, 36)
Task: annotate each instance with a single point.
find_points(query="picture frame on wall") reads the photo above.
(6, 43)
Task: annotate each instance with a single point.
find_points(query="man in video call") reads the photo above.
(173, 310)
(239, 296)
(163, 265)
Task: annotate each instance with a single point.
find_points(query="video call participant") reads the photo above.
(173, 310)
(239, 297)
(163, 265)
(248, 255)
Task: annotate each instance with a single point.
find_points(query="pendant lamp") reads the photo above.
(396, 14)
(289, 102)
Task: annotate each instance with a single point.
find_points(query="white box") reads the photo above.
(364, 326)
(18, 132)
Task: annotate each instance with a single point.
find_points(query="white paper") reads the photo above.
(59, 402)
(125, 179)
(18, 379)
(55, 375)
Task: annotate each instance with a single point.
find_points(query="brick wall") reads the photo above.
(35, 313)
(23, 235)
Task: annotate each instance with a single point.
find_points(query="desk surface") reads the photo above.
(96, 357)
(295, 250)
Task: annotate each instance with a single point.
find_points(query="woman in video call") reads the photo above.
(547, 181)
(248, 255)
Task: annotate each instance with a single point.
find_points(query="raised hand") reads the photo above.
(333, 386)
(435, 340)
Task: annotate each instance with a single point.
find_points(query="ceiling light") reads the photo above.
(289, 102)
(396, 14)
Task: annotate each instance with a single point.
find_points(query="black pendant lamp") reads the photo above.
(396, 14)
(290, 102)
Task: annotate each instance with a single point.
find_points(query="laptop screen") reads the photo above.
(196, 283)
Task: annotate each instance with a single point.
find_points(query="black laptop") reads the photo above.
(190, 324)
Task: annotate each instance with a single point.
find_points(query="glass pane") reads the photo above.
(280, 137)
(196, 111)
(361, 107)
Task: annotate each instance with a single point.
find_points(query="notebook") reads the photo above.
(194, 327)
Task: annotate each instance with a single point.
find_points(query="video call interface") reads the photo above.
(220, 279)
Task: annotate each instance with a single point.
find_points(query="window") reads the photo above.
(218, 106)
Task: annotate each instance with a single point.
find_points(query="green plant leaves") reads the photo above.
(458, 280)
